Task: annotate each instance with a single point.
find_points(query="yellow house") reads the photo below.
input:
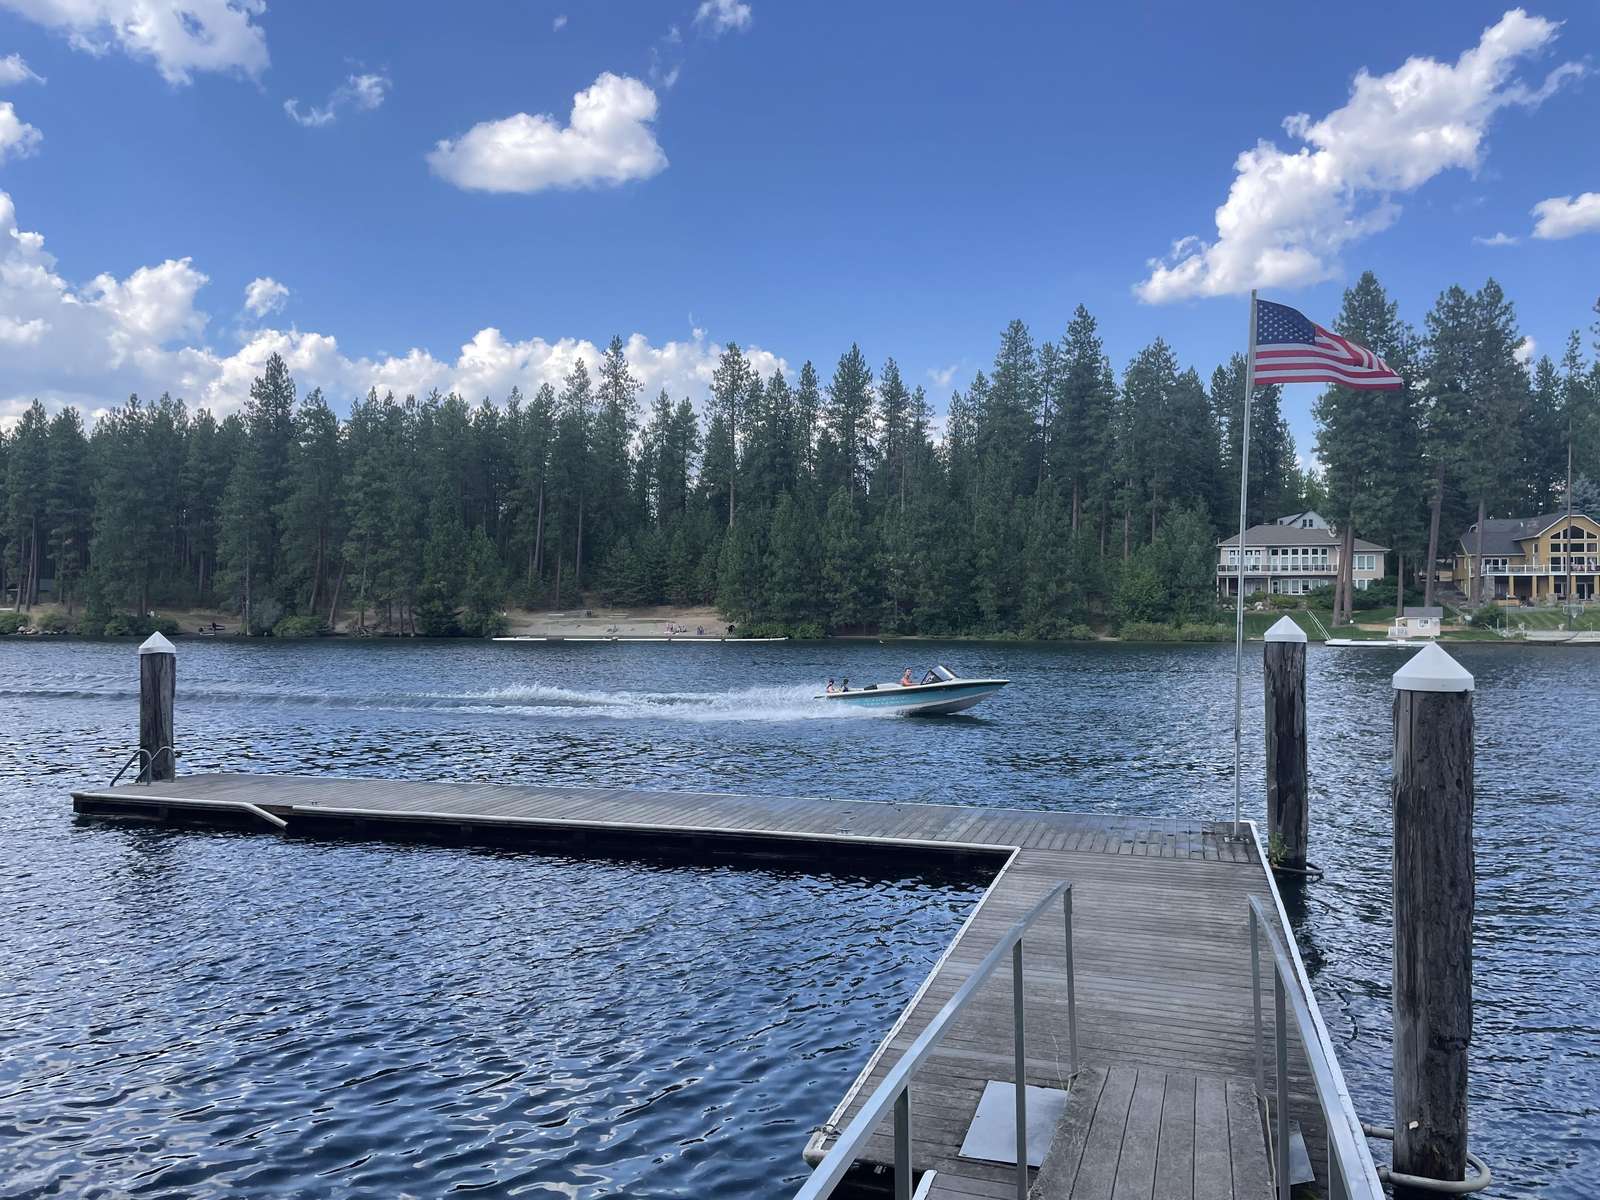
(1532, 560)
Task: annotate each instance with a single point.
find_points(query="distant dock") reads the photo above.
(1165, 1103)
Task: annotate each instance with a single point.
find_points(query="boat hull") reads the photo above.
(924, 700)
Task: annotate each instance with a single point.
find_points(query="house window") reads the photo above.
(1366, 562)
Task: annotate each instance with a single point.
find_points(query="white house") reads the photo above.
(1291, 556)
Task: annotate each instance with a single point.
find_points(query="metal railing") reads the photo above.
(895, 1090)
(1352, 1174)
(147, 764)
(1276, 568)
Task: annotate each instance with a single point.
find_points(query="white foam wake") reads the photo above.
(797, 702)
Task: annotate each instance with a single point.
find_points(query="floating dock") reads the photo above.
(1165, 1101)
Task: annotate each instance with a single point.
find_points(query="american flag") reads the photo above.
(1290, 348)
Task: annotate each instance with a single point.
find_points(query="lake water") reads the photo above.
(199, 1014)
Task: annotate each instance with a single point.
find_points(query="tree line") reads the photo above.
(1059, 494)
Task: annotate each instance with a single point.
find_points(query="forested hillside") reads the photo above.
(1059, 493)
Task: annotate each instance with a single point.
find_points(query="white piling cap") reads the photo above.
(1286, 631)
(1431, 669)
(156, 644)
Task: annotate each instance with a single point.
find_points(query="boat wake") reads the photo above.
(796, 702)
(792, 703)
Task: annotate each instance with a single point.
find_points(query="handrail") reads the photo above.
(148, 763)
(895, 1090)
(1352, 1174)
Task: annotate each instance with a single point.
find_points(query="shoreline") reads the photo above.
(666, 623)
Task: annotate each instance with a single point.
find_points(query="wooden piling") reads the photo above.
(1433, 900)
(1284, 672)
(158, 681)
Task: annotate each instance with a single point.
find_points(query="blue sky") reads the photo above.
(790, 176)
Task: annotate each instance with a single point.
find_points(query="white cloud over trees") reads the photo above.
(1289, 213)
(94, 344)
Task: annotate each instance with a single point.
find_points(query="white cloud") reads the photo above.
(18, 139)
(722, 16)
(14, 71)
(93, 345)
(942, 376)
(1288, 215)
(360, 92)
(178, 36)
(608, 141)
(1498, 239)
(1525, 350)
(265, 295)
(1567, 216)
(559, 23)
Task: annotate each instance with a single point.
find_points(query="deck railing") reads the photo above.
(895, 1090)
(1352, 1174)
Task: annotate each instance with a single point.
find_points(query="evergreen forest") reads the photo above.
(1062, 492)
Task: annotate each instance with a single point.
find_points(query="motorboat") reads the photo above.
(941, 691)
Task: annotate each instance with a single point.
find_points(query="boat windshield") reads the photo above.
(945, 674)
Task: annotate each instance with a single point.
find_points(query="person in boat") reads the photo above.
(905, 680)
(831, 688)
(845, 686)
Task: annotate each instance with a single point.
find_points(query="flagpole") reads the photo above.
(1238, 625)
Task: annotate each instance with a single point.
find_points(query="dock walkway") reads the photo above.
(1161, 950)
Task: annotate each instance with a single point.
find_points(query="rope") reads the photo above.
(1450, 1187)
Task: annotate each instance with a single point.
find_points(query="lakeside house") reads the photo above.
(1293, 555)
(1530, 560)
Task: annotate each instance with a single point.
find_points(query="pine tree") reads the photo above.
(1007, 422)
(1444, 410)
(791, 565)
(808, 412)
(573, 467)
(846, 564)
(311, 513)
(248, 551)
(1369, 441)
(444, 570)
(485, 589)
(1048, 589)
(1083, 406)
(614, 427)
(1273, 490)
(894, 424)
(1501, 395)
(27, 492)
(68, 502)
(730, 389)
(848, 417)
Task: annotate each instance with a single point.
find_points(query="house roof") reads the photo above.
(1502, 535)
(1292, 535)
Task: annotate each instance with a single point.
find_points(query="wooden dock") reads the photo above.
(1165, 1106)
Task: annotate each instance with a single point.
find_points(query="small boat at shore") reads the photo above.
(1378, 643)
(940, 693)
